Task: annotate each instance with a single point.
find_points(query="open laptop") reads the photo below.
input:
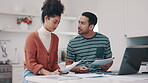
(131, 61)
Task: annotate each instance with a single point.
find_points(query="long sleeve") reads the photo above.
(30, 55)
(38, 57)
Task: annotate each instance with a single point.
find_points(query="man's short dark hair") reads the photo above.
(92, 18)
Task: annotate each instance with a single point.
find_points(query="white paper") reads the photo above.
(69, 67)
(91, 75)
(102, 61)
(127, 78)
(60, 77)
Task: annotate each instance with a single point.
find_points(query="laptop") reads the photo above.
(131, 61)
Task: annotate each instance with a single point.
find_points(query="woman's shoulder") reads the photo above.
(54, 36)
(32, 34)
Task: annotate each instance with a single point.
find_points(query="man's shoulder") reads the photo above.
(101, 35)
(76, 38)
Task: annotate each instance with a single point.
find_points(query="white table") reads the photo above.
(135, 78)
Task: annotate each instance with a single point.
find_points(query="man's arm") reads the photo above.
(80, 69)
(107, 53)
(106, 66)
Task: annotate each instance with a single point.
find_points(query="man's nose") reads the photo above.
(79, 25)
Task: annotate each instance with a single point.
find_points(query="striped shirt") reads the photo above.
(89, 50)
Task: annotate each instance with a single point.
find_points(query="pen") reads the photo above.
(95, 77)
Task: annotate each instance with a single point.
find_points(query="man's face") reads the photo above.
(83, 25)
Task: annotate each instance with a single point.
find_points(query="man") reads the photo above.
(88, 46)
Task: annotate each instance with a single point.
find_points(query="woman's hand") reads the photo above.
(56, 72)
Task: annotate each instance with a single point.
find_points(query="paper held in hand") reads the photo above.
(69, 67)
(102, 61)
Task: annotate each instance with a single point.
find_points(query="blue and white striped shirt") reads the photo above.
(89, 50)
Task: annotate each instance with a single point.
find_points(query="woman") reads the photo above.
(42, 45)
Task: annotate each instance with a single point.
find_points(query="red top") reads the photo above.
(36, 55)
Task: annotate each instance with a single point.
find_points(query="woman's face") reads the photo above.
(51, 23)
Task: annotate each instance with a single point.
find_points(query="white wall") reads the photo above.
(77, 7)
(15, 48)
(111, 13)
(25, 5)
(136, 18)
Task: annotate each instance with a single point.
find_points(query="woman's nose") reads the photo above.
(56, 25)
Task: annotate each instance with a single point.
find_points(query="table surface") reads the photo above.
(91, 78)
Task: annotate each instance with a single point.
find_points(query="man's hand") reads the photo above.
(106, 66)
(83, 69)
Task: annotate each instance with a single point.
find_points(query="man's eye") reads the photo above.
(82, 23)
(79, 22)
(55, 22)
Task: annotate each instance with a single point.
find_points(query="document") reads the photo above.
(127, 78)
(92, 75)
(60, 77)
(102, 61)
(69, 67)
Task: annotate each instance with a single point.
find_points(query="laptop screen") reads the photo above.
(131, 61)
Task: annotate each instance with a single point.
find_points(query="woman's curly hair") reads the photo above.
(52, 8)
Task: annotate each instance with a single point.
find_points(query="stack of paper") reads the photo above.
(69, 67)
(96, 62)
(102, 61)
